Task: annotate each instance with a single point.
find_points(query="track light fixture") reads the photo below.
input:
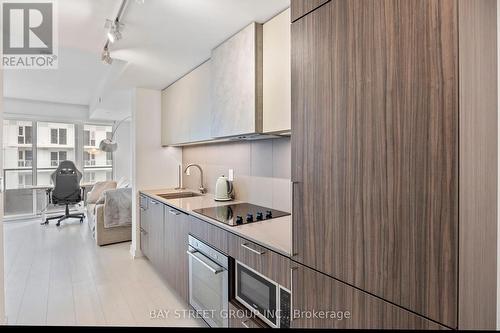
(106, 56)
(114, 30)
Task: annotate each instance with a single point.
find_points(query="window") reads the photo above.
(25, 158)
(56, 157)
(97, 165)
(54, 136)
(24, 135)
(17, 146)
(58, 136)
(31, 154)
(62, 136)
(50, 156)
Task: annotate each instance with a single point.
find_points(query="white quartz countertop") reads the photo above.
(275, 234)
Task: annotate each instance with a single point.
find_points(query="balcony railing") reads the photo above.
(92, 163)
(25, 164)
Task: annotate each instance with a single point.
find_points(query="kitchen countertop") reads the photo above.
(275, 234)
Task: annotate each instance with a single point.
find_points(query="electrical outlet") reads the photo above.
(231, 175)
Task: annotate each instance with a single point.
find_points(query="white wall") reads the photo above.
(122, 157)
(153, 167)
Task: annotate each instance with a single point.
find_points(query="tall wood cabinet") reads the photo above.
(389, 104)
(340, 306)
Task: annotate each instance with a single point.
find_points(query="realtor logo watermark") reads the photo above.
(29, 37)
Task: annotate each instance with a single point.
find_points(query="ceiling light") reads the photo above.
(106, 56)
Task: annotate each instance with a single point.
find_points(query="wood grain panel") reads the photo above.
(270, 264)
(208, 233)
(478, 164)
(240, 317)
(155, 234)
(314, 291)
(374, 148)
(175, 246)
(300, 8)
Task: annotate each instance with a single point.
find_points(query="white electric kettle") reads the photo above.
(223, 189)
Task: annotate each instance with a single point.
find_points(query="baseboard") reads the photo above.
(135, 253)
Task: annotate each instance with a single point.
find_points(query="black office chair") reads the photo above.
(66, 191)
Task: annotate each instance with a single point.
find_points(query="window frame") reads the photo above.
(91, 166)
(30, 141)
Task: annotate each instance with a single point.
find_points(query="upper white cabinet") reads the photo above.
(277, 87)
(237, 84)
(186, 107)
(244, 89)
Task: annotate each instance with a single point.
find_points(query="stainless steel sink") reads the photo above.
(179, 195)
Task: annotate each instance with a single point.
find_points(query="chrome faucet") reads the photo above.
(202, 189)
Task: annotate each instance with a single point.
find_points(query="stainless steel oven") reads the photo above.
(264, 297)
(208, 282)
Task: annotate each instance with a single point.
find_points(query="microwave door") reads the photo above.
(257, 293)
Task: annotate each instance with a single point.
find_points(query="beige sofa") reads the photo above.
(103, 202)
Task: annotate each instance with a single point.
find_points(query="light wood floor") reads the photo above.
(58, 276)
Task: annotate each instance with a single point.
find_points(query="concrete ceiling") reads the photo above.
(162, 40)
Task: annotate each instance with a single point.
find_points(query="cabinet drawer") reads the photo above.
(212, 235)
(268, 263)
(240, 317)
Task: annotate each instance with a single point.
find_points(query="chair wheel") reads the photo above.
(58, 224)
(81, 220)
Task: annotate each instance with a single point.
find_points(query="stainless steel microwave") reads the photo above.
(264, 297)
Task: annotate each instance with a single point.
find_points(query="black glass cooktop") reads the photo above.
(239, 214)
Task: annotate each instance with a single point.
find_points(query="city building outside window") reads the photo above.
(30, 159)
(97, 165)
(55, 143)
(18, 167)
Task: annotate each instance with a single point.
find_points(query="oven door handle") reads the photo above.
(213, 270)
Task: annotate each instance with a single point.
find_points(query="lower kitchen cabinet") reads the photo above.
(155, 233)
(175, 237)
(208, 233)
(320, 301)
(268, 263)
(240, 317)
(144, 225)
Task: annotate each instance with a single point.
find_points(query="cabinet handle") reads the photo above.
(211, 269)
(294, 252)
(143, 209)
(292, 270)
(155, 202)
(143, 231)
(245, 246)
(244, 323)
(173, 212)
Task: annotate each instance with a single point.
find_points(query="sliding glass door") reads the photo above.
(32, 151)
(18, 167)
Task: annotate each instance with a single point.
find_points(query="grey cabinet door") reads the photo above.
(156, 214)
(144, 226)
(175, 247)
(237, 84)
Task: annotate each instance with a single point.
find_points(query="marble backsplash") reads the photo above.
(262, 169)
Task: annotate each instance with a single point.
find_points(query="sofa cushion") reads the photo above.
(95, 195)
